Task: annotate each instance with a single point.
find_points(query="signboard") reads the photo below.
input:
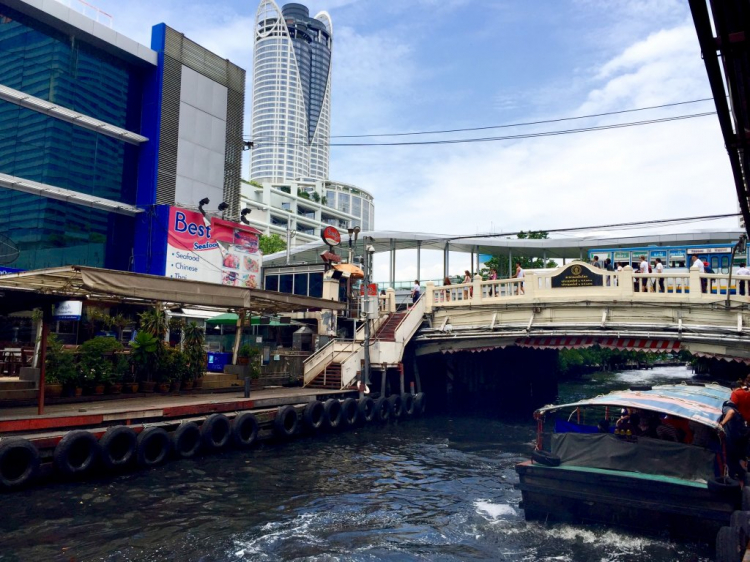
(221, 251)
(372, 290)
(331, 236)
(9, 270)
(709, 250)
(622, 256)
(577, 275)
(661, 254)
(68, 310)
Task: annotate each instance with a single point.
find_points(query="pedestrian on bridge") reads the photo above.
(415, 291)
(660, 269)
(743, 271)
(520, 275)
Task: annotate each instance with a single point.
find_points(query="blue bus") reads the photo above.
(717, 256)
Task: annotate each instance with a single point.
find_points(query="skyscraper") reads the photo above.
(291, 123)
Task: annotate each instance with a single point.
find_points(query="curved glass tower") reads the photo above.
(291, 123)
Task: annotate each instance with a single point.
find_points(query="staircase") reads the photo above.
(216, 381)
(387, 331)
(14, 389)
(330, 378)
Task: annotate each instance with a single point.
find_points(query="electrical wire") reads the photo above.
(261, 143)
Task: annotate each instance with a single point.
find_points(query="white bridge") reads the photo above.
(578, 305)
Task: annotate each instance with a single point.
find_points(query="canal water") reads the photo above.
(437, 488)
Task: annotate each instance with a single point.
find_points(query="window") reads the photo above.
(272, 283)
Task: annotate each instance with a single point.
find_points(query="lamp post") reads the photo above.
(364, 374)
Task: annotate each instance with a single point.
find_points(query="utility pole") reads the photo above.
(365, 373)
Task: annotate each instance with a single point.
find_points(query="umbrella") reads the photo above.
(230, 319)
(353, 271)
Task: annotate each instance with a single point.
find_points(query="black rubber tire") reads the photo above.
(186, 440)
(216, 431)
(640, 387)
(741, 519)
(349, 412)
(118, 446)
(729, 547)
(745, 502)
(366, 407)
(420, 403)
(314, 415)
(19, 463)
(382, 410)
(245, 430)
(332, 418)
(76, 453)
(285, 422)
(396, 406)
(724, 486)
(544, 457)
(154, 445)
(407, 404)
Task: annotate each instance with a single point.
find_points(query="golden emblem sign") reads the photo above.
(575, 270)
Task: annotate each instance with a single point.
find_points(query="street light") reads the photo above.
(243, 215)
(201, 203)
(223, 206)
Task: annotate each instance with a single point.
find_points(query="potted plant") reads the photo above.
(120, 371)
(194, 353)
(144, 346)
(243, 355)
(96, 362)
(60, 368)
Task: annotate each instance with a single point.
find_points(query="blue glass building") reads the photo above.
(91, 148)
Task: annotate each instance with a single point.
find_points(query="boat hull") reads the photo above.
(649, 504)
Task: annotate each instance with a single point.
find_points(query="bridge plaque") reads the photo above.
(577, 275)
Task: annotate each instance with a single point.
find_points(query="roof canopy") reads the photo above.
(88, 283)
(698, 403)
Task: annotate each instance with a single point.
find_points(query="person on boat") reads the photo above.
(741, 399)
(735, 438)
(629, 420)
(647, 425)
(674, 429)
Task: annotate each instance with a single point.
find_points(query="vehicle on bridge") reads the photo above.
(658, 467)
(716, 255)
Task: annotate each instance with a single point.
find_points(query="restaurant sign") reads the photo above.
(68, 310)
(577, 275)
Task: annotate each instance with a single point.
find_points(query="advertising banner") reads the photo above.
(68, 310)
(215, 250)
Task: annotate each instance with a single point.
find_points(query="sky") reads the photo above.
(425, 65)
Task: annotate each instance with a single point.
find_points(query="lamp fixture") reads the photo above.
(223, 206)
(201, 203)
(243, 215)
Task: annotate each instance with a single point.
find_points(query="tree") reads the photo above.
(500, 263)
(271, 244)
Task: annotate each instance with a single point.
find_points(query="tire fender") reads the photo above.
(382, 409)
(285, 422)
(118, 445)
(153, 446)
(420, 403)
(19, 463)
(332, 409)
(729, 547)
(314, 415)
(724, 487)
(76, 453)
(215, 432)
(407, 404)
(366, 407)
(245, 429)
(349, 412)
(186, 440)
(396, 405)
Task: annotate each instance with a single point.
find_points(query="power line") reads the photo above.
(261, 143)
(522, 124)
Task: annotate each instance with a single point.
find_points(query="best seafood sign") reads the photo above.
(221, 251)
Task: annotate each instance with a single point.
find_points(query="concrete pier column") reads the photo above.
(392, 264)
(419, 260)
(476, 284)
(391, 294)
(446, 260)
(625, 281)
(429, 296)
(696, 288)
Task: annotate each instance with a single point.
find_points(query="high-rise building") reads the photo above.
(291, 112)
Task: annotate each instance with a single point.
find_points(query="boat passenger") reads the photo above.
(629, 420)
(446, 283)
(741, 399)
(647, 425)
(735, 438)
(674, 429)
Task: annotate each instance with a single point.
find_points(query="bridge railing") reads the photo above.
(626, 284)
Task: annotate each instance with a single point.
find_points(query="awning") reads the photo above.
(694, 402)
(353, 271)
(106, 285)
(573, 342)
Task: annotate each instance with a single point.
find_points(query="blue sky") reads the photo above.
(442, 64)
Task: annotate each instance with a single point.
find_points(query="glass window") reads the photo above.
(300, 284)
(272, 283)
(286, 283)
(316, 285)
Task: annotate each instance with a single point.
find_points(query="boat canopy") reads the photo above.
(700, 403)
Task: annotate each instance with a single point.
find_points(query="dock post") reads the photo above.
(401, 376)
(247, 387)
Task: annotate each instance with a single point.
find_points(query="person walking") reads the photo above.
(493, 277)
(447, 283)
(659, 267)
(695, 263)
(468, 291)
(520, 275)
(643, 268)
(743, 271)
(415, 291)
(597, 263)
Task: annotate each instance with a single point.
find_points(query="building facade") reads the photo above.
(291, 114)
(101, 136)
(306, 207)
